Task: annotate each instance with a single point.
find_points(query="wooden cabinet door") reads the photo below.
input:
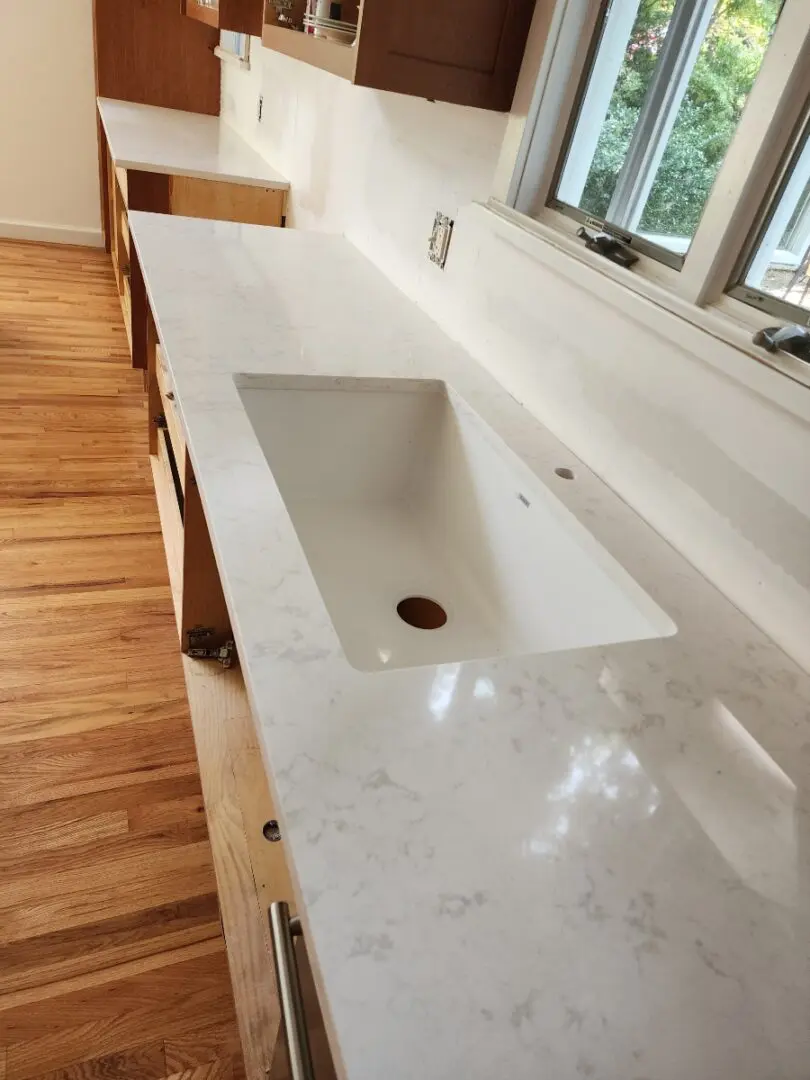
(465, 51)
(147, 51)
(243, 16)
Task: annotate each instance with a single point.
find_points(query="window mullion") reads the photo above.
(780, 220)
(766, 127)
(595, 106)
(572, 27)
(659, 111)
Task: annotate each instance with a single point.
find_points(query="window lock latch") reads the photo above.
(605, 244)
(790, 339)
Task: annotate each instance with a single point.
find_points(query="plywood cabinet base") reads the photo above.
(116, 202)
(191, 197)
(251, 872)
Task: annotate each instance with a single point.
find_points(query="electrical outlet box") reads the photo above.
(440, 239)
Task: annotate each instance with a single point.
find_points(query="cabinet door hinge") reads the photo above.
(197, 649)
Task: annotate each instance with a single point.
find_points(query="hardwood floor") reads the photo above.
(112, 961)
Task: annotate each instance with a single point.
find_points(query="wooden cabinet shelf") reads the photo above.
(463, 51)
(243, 16)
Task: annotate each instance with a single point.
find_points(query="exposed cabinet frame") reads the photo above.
(251, 872)
(165, 193)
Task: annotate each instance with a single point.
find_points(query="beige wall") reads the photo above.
(49, 174)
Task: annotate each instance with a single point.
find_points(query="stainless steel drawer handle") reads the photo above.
(282, 931)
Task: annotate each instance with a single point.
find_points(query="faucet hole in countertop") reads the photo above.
(565, 473)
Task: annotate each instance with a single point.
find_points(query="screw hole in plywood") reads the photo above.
(565, 473)
(271, 831)
(421, 612)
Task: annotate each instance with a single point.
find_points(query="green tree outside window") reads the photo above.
(726, 67)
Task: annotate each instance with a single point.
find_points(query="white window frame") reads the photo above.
(234, 48)
(700, 290)
(773, 220)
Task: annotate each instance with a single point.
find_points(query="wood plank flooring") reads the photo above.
(112, 961)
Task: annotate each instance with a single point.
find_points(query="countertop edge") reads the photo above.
(166, 169)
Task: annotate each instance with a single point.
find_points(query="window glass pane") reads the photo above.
(666, 89)
(781, 264)
(232, 41)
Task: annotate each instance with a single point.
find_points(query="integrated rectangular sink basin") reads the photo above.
(430, 541)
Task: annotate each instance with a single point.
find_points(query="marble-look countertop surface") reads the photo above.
(585, 864)
(179, 143)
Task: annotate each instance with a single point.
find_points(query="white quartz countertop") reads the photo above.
(181, 143)
(584, 864)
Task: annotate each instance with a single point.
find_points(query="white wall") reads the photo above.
(49, 187)
(372, 164)
(718, 469)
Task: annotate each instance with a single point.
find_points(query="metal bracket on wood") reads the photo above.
(198, 650)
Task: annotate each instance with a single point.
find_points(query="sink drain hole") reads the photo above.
(421, 612)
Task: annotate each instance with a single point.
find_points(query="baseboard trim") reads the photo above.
(51, 234)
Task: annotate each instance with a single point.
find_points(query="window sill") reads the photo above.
(232, 58)
(717, 336)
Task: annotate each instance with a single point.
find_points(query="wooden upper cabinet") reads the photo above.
(243, 16)
(463, 51)
(146, 51)
(468, 52)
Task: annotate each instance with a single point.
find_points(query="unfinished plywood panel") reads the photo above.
(267, 859)
(152, 385)
(203, 600)
(251, 872)
(221, 201)
(169, 412)
(219, 709)
(123, 184)
(170, 523)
